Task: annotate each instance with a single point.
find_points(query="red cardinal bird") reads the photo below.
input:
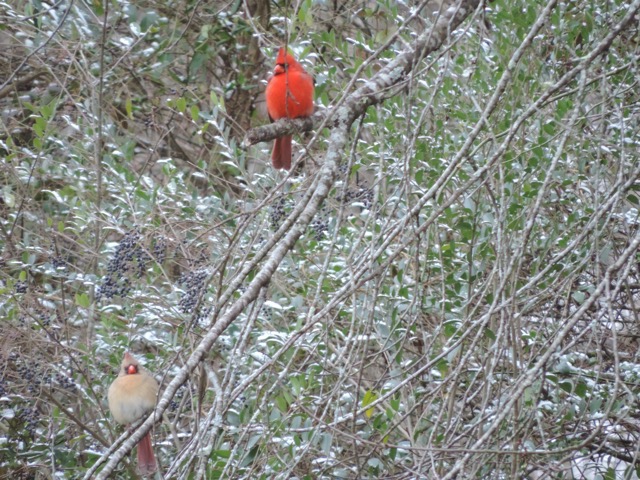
(289, 94)
(131, 395)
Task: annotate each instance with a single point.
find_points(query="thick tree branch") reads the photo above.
(282, 127)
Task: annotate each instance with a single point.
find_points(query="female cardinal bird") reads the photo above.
(289, 94)
(131, 395)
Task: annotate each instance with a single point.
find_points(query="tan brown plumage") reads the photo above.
(131, 396)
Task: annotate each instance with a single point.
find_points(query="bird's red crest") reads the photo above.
(283, 57)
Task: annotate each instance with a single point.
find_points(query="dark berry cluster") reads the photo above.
(40, 316)
(160, 248)
(30, 416)
(142, 260)
(58, 261)
(128, 257)
(45, 320)
(65, 382)
(266, 313)
(277, 212)
(194, 283)
(113, 286)
(43, 317)
(31, 375)
(173, 405)
(359, 194)
(59, 254)
(28, 372)
(202, 315)
(21, 286)
(320, 224)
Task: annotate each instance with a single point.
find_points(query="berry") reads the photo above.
(160, 248)
(21, 287)
(30, 417)
(277, 212)
(320, 224)
(128, 257)
(65, 382)
(195, 284)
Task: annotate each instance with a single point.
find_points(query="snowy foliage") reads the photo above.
(445, 286)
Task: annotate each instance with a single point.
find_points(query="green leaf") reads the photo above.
(39, 126)
(83, 300)
(197, 61)
(610, 474)
(567, 386)
(581, 389)
(490, 334)
(595, 405)
(181, 104)
(97, 7)
(195, 113)
(48, 110)
(148, 20)
(325, 443)
(443, 367)
(368, 399)
(451, 328)
(8, 196)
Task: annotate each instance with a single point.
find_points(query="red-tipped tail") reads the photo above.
(146, 458)
(281, 156)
